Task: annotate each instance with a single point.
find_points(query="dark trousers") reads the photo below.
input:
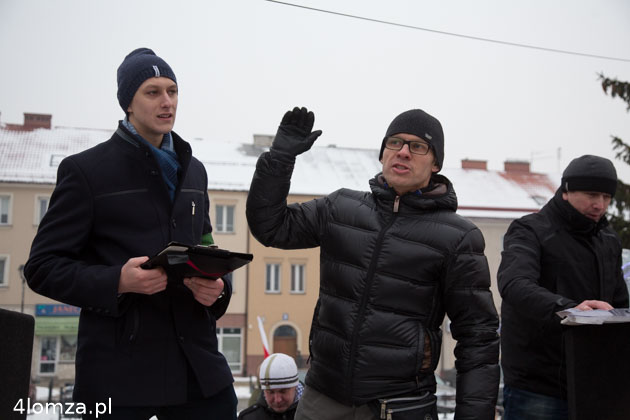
(524, 405)
(221, 406)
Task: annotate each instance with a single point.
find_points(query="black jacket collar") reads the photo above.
(576, 221)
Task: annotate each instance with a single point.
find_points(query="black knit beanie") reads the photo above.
(137, 67)
(590, 173)
(421, 124)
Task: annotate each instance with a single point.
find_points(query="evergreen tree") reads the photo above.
(620, 219)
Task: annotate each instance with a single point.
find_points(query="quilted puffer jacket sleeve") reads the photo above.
(474, 324)
(271, 221)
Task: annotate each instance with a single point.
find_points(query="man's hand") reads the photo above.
(588, 305)
(134, 279)
(294, 135)
(205, 291)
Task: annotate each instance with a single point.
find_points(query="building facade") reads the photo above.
(278, 287)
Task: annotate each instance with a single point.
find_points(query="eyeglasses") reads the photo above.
(415, 147)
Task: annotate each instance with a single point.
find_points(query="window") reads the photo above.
(67, 348)
(297, 278)
(285, 331)
(272, 283)
(55, 160)
(230, 345)
(41, 205)
(225, 218)
(541, 201)
(4, 270)
(56, 349)
(48, 355)
(5, 204)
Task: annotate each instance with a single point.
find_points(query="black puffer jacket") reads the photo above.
(390, 269)
(552, 260)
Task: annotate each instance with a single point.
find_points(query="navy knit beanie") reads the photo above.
(590, 173)
(421, 124)
(137, 67)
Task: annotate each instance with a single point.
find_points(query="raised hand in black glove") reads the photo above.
(294, 135)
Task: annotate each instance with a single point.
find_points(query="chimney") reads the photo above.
(263, 140)
(33, 121)
(516, 166)
(475, 164)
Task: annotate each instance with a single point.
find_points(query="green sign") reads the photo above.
(63, 325)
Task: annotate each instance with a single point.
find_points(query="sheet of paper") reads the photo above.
(593, 313)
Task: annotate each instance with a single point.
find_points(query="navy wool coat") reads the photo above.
(111, 204)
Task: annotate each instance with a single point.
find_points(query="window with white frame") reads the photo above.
(297, 278)
(230, 340)
(272, 283)
(5, 206)
(4, 270)
(47, 354)
(56, 349)
(41, 205)
(224, 218)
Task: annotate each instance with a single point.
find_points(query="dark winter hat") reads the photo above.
(137, 67)
(590, 173)
(421, 124)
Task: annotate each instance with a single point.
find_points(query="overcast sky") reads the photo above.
(241, 64)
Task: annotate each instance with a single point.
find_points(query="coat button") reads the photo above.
(154, 172)
(174, 224)
(181, 338)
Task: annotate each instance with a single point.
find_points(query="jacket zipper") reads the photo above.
(366, 292)
(192, 221)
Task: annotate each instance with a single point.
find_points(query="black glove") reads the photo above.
(294, 135)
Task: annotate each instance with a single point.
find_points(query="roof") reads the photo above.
(33, 157)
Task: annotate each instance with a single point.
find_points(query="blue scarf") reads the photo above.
(165, 156)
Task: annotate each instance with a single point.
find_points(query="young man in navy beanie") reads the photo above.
(394, 261)
(147, 343)
(564, 256)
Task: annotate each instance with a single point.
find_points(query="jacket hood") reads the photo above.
(440, 195)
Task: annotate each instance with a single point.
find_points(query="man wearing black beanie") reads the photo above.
(147, 343)
(393, 262)
(565, 256)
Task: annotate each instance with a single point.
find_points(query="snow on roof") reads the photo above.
(33, 157)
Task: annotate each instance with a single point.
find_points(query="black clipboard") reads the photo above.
(180, 260)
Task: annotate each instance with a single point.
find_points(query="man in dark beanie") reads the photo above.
(565, 256)
(147, 343)
(393, 262)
